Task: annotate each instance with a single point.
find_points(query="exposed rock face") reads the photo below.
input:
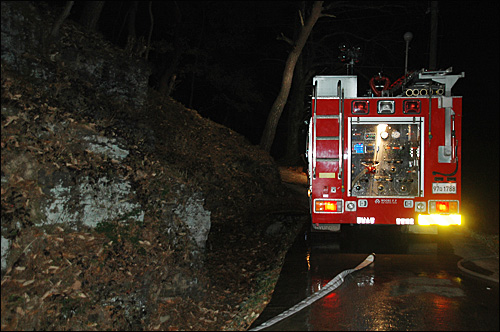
(91, 203)
(196, 218)
(5, 251)
(91, 182)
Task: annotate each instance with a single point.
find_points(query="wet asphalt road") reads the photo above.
(414, 284)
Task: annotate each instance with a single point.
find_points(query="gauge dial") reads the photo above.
(395, 134)
(384, 134)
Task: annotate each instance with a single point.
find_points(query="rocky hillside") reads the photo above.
(122, 209)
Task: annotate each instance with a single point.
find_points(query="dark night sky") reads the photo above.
(468, 42)
(242, 37)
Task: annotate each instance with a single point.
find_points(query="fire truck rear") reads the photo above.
(389, 158)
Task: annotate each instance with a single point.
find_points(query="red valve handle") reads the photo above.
(383, 79)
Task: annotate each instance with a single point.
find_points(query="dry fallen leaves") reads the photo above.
(59, 274)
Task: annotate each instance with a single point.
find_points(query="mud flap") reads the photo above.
(417, 229)
(326, 227)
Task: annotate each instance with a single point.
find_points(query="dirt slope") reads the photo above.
(135, 275)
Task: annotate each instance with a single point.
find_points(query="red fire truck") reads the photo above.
(389, 158)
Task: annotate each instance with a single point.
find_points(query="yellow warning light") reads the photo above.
(439, 219)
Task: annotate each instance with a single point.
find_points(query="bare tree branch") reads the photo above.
(284, 38)
(328, 15)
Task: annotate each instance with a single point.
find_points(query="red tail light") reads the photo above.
(360, 107)
(443, 206)
(327, 205)
(411, 107)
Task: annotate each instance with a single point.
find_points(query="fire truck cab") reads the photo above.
(389, 158)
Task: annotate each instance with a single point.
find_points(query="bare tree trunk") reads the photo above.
(167, 80)
(132, 36)
(54, 33)
(91, 13)
(150, 29)
(277, 108)
(196, 56)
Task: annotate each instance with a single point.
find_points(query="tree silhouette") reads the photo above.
(380, 38)
(286, 83)
(91, 13)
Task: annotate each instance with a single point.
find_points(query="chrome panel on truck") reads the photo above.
(385, 158)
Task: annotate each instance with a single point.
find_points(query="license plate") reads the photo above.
(444, 188)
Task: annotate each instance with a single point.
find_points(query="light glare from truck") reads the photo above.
(439, 219)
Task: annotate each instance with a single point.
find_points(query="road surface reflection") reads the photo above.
(414, 284)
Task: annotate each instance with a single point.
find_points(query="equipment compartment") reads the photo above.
(385, 159)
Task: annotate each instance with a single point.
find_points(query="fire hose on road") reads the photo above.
(328, 288)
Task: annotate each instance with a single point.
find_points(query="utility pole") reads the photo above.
(433, 37)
